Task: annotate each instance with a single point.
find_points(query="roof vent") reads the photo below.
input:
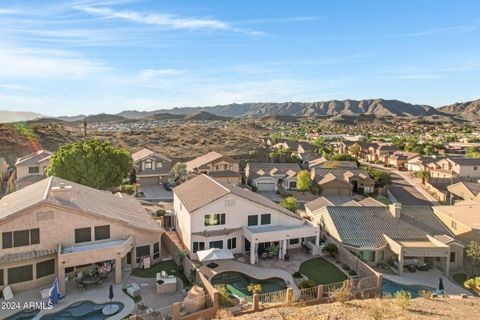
(395, 209)
(62, 192)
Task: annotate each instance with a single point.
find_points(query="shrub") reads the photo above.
(160, 213)
(331, 249)
(254, 188)
(127, 188)
(473, 283)
(290, 203)
(352, 272)
(307, 284)
(254, 288)
(341, 295)
(297, 275)
(402, 298)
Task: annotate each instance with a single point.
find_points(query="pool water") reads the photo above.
(390, 287)
(85, 310)
(241, 281)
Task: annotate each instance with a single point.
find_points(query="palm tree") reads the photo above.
(254, 288)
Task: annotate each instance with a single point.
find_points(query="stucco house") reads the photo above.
(151, 168)
(30, 169)
(268, 176)
(464, 190)
(455, 168)
(214, 214)
(216, 165)
(463, 220)
(342, 181)
(380, 152)
(397, 235)
(420, 163)
(54, 227)
(399, 159)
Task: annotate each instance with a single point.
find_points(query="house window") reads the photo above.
(159, 164)
(253, 220)
(7, 240)
(20, 274)
(45, 268)
(232, 243)
(454, 225)
(102, 232)
(215, 219)
(294, 241)
(83, 235)
(475, 168)
(216, 167)
(225, 167)
(156, 250)
(148, 165)
(198, 246)
(21, 238)
(142, 251)
(1, 277)
(216, 244)
(452, 257)
(293, 184)
(34, 236)
(266, 218)
(33, 170)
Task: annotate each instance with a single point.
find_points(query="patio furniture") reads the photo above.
(91, 281)
(133, 290)
(7, 293)
(166, 284)
(212, 265)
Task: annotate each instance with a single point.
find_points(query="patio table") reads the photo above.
(90, 281)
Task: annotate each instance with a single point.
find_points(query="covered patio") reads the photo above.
(257, 236)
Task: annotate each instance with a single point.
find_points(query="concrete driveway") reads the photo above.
(272, 195)
(156, 193)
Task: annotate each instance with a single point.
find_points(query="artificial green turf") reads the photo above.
(321, 271)
(169, 266)
(460, 278)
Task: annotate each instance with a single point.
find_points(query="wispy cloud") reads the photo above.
(164, 20)
(447, 30)
(155, 73)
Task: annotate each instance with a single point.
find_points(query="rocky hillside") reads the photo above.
(468, 110)
(12, 116)
(447, 309)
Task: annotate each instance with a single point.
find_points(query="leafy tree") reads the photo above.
(345, 157)
(178, 173)
(92, 163)
(303, 181)
(354, 150)
(132, 176)
(382, 178)
(473, 253)
(290, 203)
(331, 249)
(424, 175)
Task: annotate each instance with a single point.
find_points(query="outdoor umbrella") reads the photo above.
(110, 295)
(214, 254)
(55, 292)
(440, 285)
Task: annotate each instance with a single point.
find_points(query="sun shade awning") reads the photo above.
(214, 254)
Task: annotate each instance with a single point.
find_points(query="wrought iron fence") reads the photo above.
(304, 295)
(235, 305)
(329, 289)
(273, 297)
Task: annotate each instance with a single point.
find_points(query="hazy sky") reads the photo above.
(71, 57)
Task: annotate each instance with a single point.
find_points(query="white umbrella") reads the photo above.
(214, 254)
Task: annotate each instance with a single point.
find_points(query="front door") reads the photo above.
(247, 245)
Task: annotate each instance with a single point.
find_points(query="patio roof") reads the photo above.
(277, 233)
(93, 246)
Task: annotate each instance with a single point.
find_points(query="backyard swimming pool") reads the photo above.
(85, 310)
(390, 287)
(237, 283)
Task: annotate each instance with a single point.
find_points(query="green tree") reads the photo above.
(92, 163)
(254, 288)
(290, 203)
(354, 150)
(473, 254)
(303, 181)
(382, 178)
(178, 173)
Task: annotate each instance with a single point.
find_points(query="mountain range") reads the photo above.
(379, 107)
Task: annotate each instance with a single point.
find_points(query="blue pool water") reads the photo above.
(390, 287)
(84, 310)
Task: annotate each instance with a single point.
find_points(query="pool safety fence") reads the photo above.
(275, 297)
(165, 313)
(305, 295)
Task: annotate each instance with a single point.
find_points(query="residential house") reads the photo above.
(397, 235)
(380, 153)
(331, 164)
(345, 147)
(462, 219)
(3, 169)
(214, 214)
(399, 159)
(343, 181)
(464, 190)
(30, 169)
(151, 168)
(420, 163)
(450, 168)
(216, 165)
(54, 227)
(269, 176)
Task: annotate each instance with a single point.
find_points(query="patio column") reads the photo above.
(400, 262)
(284, 249)
(447, 266)
(118, 269)
(252, 252)
(317, 240)
(61, 276)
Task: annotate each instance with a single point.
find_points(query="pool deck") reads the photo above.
(427, 278)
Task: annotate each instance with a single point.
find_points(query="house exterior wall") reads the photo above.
(57, 226)
(23, 171)
(148, 175)
(219, 165)
(463, 232)
(184, 222)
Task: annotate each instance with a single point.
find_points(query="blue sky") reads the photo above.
(86, 56)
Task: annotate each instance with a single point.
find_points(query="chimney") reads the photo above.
(62, 192)
(395, 209)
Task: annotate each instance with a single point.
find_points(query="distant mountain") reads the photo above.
(204, 116)
(13, 116)
(162, 116)
(379, 107)
(469, 110)
(104, 117)
(134, 114)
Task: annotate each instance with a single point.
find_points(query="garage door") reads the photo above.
(265, 186)
(148, 181)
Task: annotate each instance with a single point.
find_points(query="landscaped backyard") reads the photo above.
(321, 271)
(168, 266)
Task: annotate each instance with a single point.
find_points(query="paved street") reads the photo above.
(405, 193)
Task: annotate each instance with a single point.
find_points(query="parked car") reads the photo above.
(169, 186)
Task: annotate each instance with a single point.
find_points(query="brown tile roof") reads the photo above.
(117, 207)
(203, 160)
(28, 255)
(257, 170)
(35, 157)
(202, 190)
(145, 153)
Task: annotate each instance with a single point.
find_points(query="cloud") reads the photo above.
(154, 73)
(36, 63)
(447, 30)
(164, 20)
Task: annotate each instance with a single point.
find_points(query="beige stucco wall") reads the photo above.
(463, 232)
(22, 170)
(232, 165)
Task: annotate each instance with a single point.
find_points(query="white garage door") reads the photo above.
(265, 186)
